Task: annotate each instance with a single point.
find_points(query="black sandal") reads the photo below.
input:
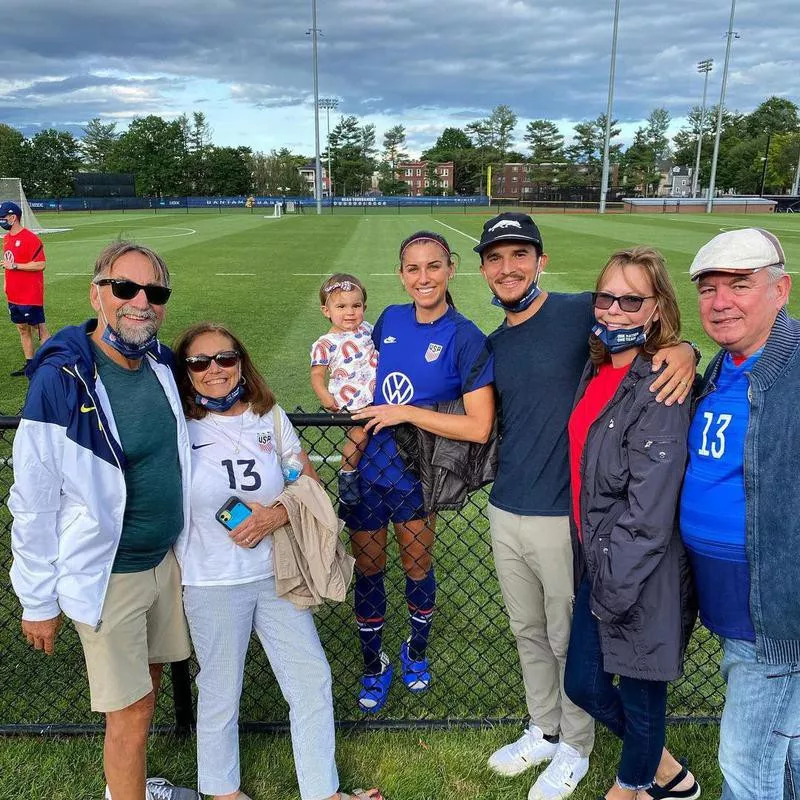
(669, 792)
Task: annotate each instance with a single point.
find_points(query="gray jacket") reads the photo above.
(631, 550)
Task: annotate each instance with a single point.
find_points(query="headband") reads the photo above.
(344, 286)
(419, 239)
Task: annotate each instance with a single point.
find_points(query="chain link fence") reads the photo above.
(476, 675)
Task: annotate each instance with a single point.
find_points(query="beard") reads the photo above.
(136, 335)
(512, 298)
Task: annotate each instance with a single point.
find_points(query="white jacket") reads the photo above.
(68, 497)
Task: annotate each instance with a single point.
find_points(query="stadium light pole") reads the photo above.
(607, 142)
(796, 184)
(329, 103)
(317, 165)
(702, 66)
(731, 34)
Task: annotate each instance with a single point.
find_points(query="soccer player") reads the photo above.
(429, 353)
(23, 263)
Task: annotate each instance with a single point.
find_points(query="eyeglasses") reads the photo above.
(124, 289)
(225, 358)
(628, 302)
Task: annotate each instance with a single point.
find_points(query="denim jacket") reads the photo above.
(772, 491)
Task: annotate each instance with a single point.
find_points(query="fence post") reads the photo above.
(182, 697)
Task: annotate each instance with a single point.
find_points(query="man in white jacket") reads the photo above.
(100, 494)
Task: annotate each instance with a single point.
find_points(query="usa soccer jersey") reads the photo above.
(23, 287)
(420, 363)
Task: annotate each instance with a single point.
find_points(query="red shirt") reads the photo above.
(24, 288)
(597, 396)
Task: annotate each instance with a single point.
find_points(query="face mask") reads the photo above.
(219, 403)
(5, 224)
(621, 339)
(525, 301)
(128, 350)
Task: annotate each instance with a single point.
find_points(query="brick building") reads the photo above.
(415, 174)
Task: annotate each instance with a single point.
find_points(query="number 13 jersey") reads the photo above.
(209, 557)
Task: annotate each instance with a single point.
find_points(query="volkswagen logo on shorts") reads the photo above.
(397, 389)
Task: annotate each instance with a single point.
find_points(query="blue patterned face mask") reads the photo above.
(219, 403)
(131, 351)
(620, 339)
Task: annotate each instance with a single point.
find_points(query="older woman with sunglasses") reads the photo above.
(229, 585)
(633, 611)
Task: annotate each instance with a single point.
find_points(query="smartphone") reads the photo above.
(232, 513)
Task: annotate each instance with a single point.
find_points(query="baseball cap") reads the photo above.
(743, 250)
(10, 208)
(509, 226)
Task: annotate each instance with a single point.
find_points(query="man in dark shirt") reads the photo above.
(540, 351)
(100, 496)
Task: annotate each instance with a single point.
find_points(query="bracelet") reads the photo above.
(698, 354)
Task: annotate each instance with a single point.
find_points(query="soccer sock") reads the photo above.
(370, 607)
(421, 598)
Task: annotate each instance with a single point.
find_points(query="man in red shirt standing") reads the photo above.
(23, 263)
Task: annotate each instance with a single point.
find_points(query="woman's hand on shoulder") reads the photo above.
(264, 521)
(377, 418)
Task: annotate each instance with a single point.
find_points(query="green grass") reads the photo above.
(407, 765)
(276, 311)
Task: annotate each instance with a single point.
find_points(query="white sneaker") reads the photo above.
(561, 776)
(530, 749)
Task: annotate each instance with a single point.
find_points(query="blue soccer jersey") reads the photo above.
(713, 503)
(420, 364)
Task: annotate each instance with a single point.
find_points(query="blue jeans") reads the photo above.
(635, 711)
(759, 738)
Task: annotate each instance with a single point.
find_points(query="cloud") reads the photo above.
(424, 63)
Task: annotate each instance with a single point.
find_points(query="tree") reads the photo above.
(642, 162)
(352, 150)
(52, 157)
(97, 144)
(227, 170)
(502, 122)
(655, 134)
(546, 145)
(586, 149)
(455, 145)
(155, 151)
(277, 172)
(197, 137)
(774, 115)
(394, 142)
(12, 153)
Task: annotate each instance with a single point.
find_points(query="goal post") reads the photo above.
(277, 212)
(11, 189)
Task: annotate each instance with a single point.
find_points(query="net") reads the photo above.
(277, 212)
(11, 189)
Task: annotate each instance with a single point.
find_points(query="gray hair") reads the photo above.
(775, 272)
(112, 252)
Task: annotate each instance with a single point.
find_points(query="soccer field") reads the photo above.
(261, 276)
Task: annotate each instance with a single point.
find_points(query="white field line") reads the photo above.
(235, 274)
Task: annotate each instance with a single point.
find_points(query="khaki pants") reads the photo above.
(533, 558)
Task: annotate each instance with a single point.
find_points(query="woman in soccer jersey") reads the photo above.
(428, 353)
(633, 611)
(229, 585)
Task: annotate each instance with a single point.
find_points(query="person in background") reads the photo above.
(739, 507)
(23, 266)
(634, 607)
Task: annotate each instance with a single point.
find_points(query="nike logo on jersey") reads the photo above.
(86, 409)
(199, 446)
(389, 340)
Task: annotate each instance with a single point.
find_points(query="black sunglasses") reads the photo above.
(225, 358)
(628, 302)
(124, 289)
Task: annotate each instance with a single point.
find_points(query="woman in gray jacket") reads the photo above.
(633, 609)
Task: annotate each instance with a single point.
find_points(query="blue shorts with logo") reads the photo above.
(381, 504)
(26, 315)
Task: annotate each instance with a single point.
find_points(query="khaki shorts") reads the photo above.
(143, 624)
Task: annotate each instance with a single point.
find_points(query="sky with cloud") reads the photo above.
(427, 64)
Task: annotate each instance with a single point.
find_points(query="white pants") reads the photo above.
(221, 619)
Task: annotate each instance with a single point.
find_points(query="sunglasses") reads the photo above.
(225, 358)
(628, 302)
(124, 289)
